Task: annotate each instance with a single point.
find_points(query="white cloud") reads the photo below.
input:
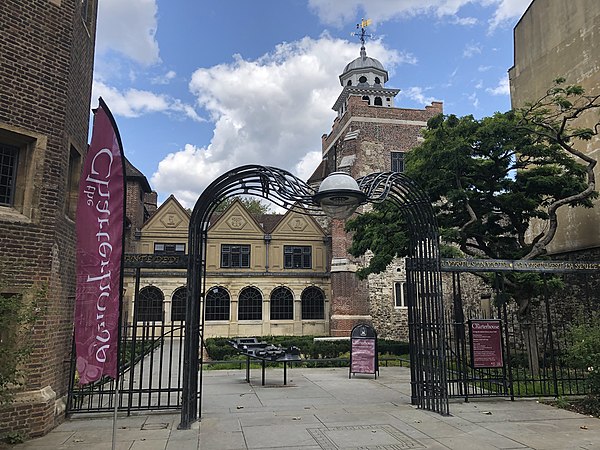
(339, 12)
(471, 50)
(502, 88)
(474, 100)
(417, 94)
(165, 78)
(135, 103)
(268, 111)
(129, 28)
(507, 11)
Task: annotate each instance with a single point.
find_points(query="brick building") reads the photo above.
(368, 135)
(46, 62)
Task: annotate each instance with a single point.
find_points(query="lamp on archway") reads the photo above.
(339, 195)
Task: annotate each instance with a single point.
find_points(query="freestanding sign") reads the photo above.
(486, 343)
(363, 350)
(99, 224)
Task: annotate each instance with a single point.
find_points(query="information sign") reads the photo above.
(486, 343)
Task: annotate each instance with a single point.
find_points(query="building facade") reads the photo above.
(265, 275)
(46, 63)
(560, 38)
(368, 135)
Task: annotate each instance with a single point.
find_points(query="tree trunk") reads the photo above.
(531, 345)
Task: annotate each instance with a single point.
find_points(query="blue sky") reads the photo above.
(199, 88)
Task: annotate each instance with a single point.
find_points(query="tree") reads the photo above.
(253, 205)
(490, 180)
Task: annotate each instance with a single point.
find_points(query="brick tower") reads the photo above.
(46, 62)
(368, 135)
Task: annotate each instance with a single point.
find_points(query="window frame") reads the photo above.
(250, 307)
(171, 250)
(290, 254)
(281, 304)
(219, 307)
(150, 312)
(226, 260)
(396, 158)
(12, 154)
(309, 308)
(178, 304)
(400, 287)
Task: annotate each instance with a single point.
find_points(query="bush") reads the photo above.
(218, 349)
(584, 352)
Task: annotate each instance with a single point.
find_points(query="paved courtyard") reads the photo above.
(321, 409)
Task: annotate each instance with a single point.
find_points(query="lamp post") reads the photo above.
(338, 196)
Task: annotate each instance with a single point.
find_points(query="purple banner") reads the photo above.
(100, 214)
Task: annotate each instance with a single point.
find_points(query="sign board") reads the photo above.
(486, 343)
(363, 350)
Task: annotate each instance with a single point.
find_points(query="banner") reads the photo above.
(99, 224)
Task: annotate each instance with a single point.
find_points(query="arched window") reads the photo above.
(378, 101)
(366, 97)
(282, 304)
(362, 79)
(250, 304)
(377, 80)
(150, 305)
(217, 304)
(313, 303)
(349, 83)
(178, 300)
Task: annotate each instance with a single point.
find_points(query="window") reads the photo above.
(235, 256)
(378, 101)
(297, 257)
(178, 301)
(73, 182)
(282, 304)
(313, 303)
(366, 97)
(169, 249)
(362, 79)
(349, 83)
(21, 166)
(9, 155)
(150, 305)
(377, 80)
(397, 162)
(250, 304)
(217, 304)
(400, 295)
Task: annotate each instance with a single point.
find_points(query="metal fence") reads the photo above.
(532, 359)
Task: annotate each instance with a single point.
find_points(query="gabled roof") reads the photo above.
(132, 173)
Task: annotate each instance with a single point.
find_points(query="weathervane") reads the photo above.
(362, 35)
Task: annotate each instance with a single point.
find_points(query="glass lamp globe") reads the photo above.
(339, 195)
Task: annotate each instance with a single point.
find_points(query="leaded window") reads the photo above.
(178, 301)
(217, 304)
(150, 304)
(313, 303)
(297, 256)
(397, 163)
(282, 304)
(168, 249)
(235, 256)
(250, 304)
(8, 173)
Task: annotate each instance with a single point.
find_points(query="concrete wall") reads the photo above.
(561, 38)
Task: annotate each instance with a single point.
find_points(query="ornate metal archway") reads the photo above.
(429, 390)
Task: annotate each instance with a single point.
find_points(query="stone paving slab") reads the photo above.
(322, 409)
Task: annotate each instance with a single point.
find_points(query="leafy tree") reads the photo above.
(253, 205)
(490, 180)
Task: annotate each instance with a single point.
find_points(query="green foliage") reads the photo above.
(219, 350)
(13, 437)
(18, 313)
(489, 179)
(584, 352)
(253, 205)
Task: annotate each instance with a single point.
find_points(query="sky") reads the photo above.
(199, 88)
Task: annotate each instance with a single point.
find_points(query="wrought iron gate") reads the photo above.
(555, 312)
(150, 355)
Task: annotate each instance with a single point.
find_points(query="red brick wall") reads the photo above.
(46, 62)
